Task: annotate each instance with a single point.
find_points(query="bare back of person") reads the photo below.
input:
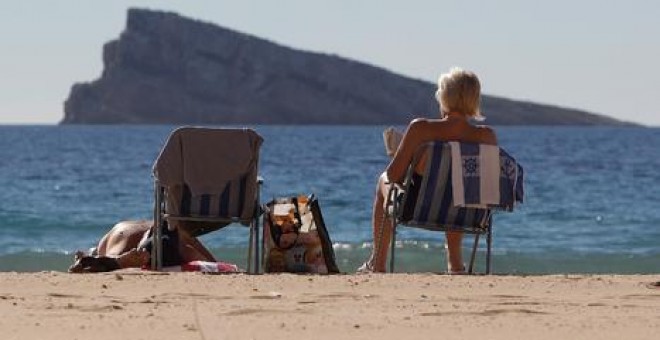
(454, 127)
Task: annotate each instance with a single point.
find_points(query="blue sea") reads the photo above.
(592, 200)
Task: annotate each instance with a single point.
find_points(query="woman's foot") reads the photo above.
(369, 267)
(365, 268)
(456, 271)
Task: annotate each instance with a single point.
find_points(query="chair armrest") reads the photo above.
(394, 195)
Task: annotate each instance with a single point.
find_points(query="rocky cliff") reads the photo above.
(167, 69)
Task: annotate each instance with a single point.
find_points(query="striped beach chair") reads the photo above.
(204, 180)
(463, 203)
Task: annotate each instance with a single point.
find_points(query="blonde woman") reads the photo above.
(459, 96)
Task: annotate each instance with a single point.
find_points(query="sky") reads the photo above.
(601, 56)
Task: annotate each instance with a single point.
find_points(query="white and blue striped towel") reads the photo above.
(484, 176)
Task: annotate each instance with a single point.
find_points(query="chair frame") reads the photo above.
(161, 215)
(396, 198)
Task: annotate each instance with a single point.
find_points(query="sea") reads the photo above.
(592, 201)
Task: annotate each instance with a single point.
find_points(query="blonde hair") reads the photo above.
(459, 91)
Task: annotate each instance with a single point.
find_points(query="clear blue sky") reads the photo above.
(602, 56)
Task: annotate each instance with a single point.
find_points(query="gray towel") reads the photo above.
(206, 160)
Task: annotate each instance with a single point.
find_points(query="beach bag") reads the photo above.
(295, 237)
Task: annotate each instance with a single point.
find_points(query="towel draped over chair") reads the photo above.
(462, 184)
(205, 179)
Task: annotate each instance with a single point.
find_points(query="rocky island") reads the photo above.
(168, 69)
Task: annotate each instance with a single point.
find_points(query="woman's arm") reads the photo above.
(396, 170)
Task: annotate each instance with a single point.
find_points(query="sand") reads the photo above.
(143, 305)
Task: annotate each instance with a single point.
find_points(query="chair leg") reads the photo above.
(489, 244)
(157, 236)
(257, 257)
(262, 259)
(392, 246)
(258, 260)
(474, 253)
(250, 244)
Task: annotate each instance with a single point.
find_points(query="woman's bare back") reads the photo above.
(421, 131)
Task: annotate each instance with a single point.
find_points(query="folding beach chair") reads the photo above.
(204, 180)
(463, 203)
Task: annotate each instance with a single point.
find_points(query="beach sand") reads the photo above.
(143, 305)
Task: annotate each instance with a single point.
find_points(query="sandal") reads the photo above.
(365, 268)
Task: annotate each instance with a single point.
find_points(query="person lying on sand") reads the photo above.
(128, 245)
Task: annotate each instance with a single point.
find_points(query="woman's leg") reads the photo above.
(133, 258)
(192, 250)
(454, 242)
(381, 226)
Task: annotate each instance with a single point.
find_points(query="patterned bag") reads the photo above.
(295, 237)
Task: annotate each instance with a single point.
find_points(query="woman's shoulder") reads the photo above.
(426, 123)
(418, 122)
(426, 128)
(484, 128)
(486, 134)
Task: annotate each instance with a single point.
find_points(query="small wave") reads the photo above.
(34, 261)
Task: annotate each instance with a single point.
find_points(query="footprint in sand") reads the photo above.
(653, 285)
